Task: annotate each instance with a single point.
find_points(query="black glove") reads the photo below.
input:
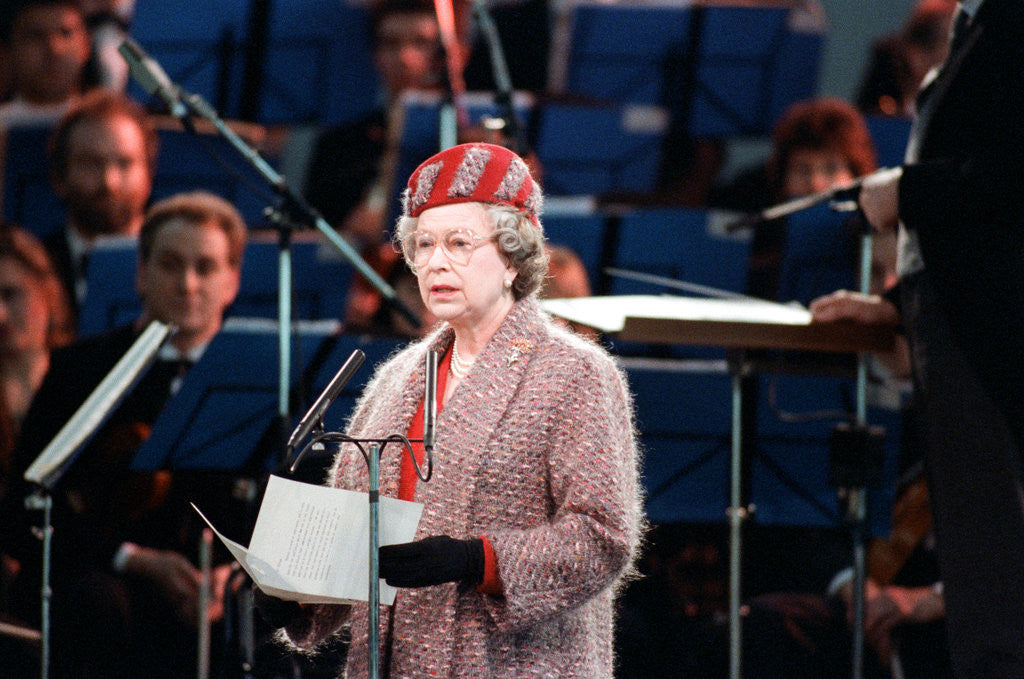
(432, 561)
(276, 612)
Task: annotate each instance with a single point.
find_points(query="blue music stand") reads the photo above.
(111, 299)
(890, 135)
(228, 401)
(820, 254)
(320, 282)
(318, 66)
(199, 44)
(183, 164)
(595, 148)
(724, 71)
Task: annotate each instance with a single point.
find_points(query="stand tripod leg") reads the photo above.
(373, 600)
(737, 514)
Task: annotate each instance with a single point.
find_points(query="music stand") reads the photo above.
(739, 324)
(595, 148)
(724, 70)
(226, 405)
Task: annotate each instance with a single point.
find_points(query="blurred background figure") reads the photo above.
(900, 61)
(567, 277)
(47, 48)
(816, 145)
(102, 160)
(109, 22)
(34, 318)
(126, 541)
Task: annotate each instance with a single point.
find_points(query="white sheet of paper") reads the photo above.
(311, 543)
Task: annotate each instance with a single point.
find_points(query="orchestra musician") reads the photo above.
(125, 588)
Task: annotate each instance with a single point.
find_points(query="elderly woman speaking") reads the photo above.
(532, 516)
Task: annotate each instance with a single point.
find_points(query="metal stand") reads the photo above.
(49, 467)
(737, 514)
(373, 600)
(42, 500)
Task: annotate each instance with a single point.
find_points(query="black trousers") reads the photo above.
(973, 462)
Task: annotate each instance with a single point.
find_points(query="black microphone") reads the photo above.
(316, 412)
(430, 402)
(152, 77)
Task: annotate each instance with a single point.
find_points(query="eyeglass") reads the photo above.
(457, 244)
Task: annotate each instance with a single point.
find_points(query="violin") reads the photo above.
(911, 522)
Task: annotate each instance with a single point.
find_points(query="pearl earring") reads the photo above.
(508, 283)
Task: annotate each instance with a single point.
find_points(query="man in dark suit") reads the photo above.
(102, 159)
(956, 202)
(125, 593)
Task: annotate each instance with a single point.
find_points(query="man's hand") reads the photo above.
(879, 198)
(889, 606)
(173, 574)
(844, 305)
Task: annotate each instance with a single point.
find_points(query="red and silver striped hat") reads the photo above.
(472, 173)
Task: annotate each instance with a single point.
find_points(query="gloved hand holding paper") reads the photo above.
(311, 543)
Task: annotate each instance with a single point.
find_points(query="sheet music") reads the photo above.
(46, 468)
(608, 314)
(311, 543)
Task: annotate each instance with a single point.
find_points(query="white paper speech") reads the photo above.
(311, 543)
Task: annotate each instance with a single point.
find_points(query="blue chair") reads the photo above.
(28, 197)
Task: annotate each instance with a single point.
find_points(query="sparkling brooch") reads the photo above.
(520, 346)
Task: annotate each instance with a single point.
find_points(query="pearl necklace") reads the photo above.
(458, 367)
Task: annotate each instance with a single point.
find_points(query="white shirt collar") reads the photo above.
(970, 7)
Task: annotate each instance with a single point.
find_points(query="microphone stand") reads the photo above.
(372, 459)
(290, 212)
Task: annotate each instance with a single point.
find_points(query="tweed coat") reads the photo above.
(536, 450)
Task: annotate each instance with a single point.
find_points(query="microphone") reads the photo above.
(316, 412)
(152, 77)
(430, 402)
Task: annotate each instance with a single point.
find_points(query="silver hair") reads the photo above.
(519, 239)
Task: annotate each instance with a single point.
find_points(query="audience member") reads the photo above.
(102, 160)
(47, 45)
(34, 318)
(900, 61)
(108, 22)
(817, 144)
(125, 591)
